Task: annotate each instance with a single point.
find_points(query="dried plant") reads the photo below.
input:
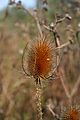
(40, 58)
(41, 64)
(39, 67)
(71, 113)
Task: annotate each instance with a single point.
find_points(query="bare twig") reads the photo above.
(34, 15)
(36, 19)
(53, 26)
(53, 113)
(64, 86)
(76, 86)
(63, 45)
(53, 29)
(20, 6)
(38, 23)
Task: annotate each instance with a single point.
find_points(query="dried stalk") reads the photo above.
(57, 41)
(38, 24)
(36, 19)
(76, 86)
(65, 87)
(38, 101)
(53, 113)
(52, 29)
(64, 45)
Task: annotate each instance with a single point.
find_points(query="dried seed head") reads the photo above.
(72, 113)
(19, 4)
(40, 58)
(45, 5)
(11, 2)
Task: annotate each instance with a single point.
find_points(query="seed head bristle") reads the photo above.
(40, 58)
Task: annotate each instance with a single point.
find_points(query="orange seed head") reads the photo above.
(72, 114)
(40, 58)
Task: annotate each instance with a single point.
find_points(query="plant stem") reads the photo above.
(38, 101)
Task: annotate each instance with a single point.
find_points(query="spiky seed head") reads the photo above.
(71, 113)
(40, 58)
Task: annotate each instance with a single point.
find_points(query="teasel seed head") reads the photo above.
(40, 58)
(71, 113)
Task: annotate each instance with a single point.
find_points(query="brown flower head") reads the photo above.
(72, 113)
(40, 58)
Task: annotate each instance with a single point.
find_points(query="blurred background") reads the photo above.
(17, 28)
(27, 4)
